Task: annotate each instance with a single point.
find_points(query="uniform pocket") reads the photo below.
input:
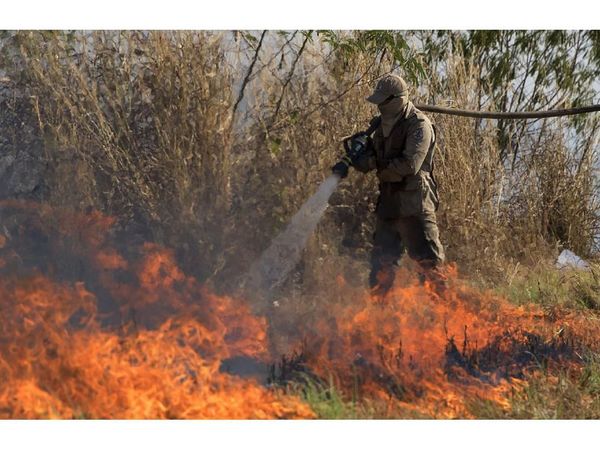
(411, 198)
(403, 199)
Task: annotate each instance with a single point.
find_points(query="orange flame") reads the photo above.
(433, 352)
(156, 355)
(89, 332)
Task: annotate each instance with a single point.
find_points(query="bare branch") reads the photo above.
(318, 107)
(289, 77)
(275, 55)
(247, 77)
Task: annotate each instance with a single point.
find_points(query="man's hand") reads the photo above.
(341, 169)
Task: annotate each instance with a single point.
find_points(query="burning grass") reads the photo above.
(96, 329)
(434, 354)
(130, 339)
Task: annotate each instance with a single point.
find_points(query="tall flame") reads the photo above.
(148, 343)
(90, 331)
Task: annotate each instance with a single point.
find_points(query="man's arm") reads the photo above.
(418, 142)
(366, 162)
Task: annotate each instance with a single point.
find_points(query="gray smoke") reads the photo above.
(277, 261)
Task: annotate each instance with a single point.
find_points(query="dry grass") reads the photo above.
(136, 121)
(141, 124)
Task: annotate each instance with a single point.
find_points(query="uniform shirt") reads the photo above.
(403, 161)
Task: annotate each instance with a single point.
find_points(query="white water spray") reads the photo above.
(277, 261)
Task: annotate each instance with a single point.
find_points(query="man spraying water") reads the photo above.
(401, 151)
(399, 145)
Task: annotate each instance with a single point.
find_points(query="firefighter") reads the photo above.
(401, 152)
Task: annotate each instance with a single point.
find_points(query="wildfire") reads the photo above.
(431, 354)
(93, 332)
(148, 343)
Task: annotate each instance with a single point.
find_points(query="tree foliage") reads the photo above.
(523, 70)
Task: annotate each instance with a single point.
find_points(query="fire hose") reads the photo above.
(356, 144)
(509, 115)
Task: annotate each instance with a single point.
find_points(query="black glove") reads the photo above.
(341, 169)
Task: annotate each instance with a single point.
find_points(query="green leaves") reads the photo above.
(377, 44)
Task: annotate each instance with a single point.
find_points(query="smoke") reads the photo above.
(277, 261)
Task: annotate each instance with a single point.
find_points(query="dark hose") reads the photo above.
(509, 115)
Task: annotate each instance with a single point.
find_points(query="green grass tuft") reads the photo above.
(549, 287)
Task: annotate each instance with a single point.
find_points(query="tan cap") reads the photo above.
(388, 85)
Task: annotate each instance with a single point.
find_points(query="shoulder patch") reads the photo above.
(418, 135)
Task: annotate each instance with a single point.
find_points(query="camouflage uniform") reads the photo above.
(408, 196)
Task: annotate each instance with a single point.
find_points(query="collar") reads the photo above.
(409, 111)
